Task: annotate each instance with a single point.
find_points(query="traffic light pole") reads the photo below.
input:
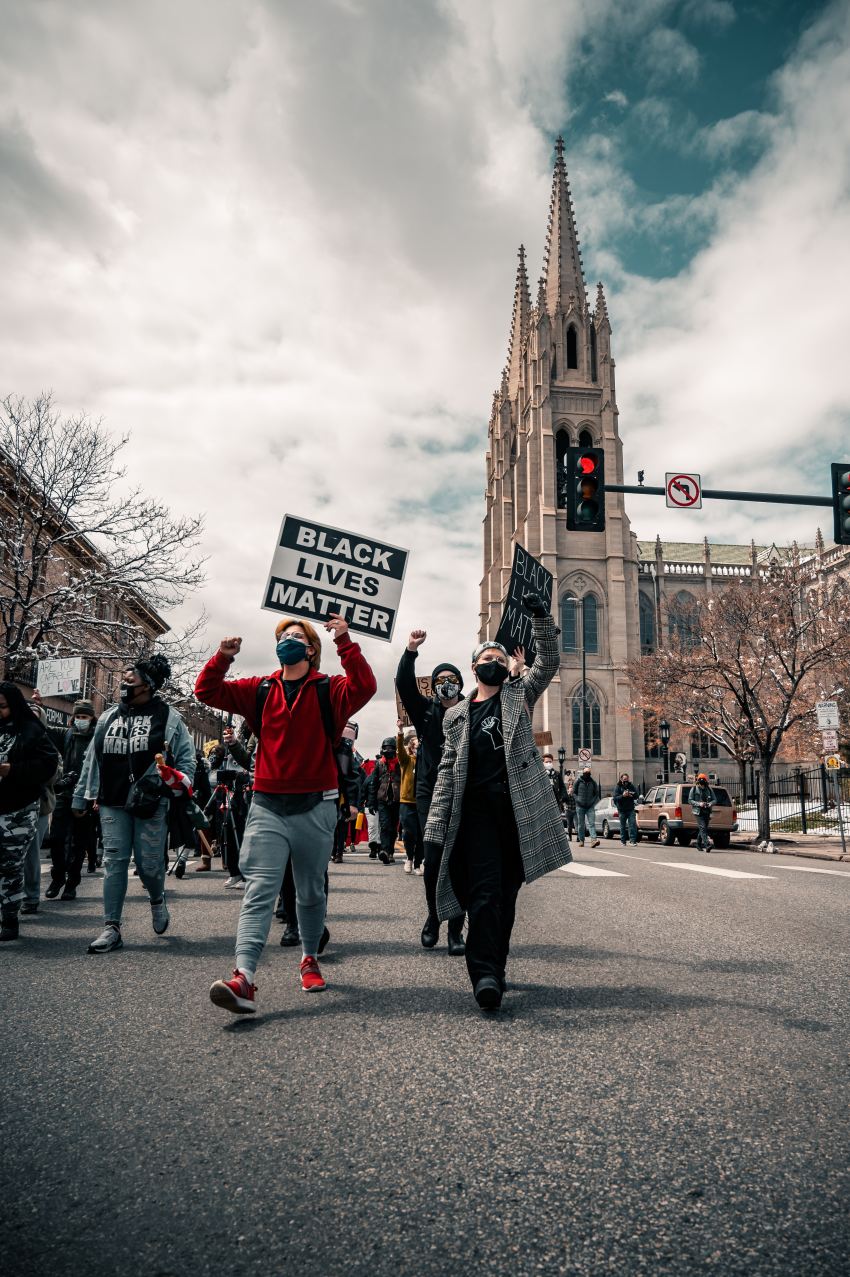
(722, 494)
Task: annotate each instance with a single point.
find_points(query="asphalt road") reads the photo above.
(664, 1092)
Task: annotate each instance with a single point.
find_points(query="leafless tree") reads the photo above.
(750, 665)
(84, 556)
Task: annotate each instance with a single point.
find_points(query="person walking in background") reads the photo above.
(493, 813)
(427, 714)
(587, 793)
(556, 780)
(570, 805)
(72, 841)
(120, 773)
(28, 760)
(383, 796)
(624, 799)
(411, 830)
(297, 716)
(702, 801)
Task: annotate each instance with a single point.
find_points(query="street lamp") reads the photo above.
(562, 758)
(664, 729)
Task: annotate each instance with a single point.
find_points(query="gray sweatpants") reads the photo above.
(271, 837)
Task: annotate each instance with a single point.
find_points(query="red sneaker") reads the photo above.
(235, 995)
(311, 976)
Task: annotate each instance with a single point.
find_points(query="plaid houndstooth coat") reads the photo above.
(542, 837)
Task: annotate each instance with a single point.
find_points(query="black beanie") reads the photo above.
(452, 669)
(154, 669)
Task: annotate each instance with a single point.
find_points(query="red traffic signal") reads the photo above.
(585, 490)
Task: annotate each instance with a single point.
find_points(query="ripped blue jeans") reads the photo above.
(125, 836)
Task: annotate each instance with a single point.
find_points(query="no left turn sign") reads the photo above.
(684, 491)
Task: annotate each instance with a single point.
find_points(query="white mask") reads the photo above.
(82, 724)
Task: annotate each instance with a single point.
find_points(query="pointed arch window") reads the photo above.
(647, 623)
(572, 347)
(683, 620)
(585, 439)
(594, 373)
(562, 443)
(586, 715)
(570, 633)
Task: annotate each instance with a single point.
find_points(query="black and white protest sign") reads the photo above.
(319, 571)
(527, 575)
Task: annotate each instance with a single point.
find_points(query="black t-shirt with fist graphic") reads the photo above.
(486, 744)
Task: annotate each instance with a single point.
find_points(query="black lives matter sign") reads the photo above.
(318, 571)
(527, 576)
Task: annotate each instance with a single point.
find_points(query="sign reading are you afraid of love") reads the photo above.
(319, 572)
(527, 576)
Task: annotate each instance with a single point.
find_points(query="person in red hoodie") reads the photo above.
(295, 787)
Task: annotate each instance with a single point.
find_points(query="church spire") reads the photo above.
(519, 323)
(563, 268)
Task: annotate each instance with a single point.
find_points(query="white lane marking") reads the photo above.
(591, 871)
(708, 869)
(810, 869)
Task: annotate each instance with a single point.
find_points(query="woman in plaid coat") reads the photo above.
(493, 811)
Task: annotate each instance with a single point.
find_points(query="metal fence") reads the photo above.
(802, 802)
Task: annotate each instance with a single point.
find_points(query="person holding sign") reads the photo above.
(427, 714)
(297, 716)
(494, 818)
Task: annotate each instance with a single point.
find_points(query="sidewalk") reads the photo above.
(810, 846)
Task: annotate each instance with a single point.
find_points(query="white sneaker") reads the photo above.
(234, 881)
(419, 872)
(408, 866)
(109, 938)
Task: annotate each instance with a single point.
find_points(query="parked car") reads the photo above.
(666, 814)
(607, 818)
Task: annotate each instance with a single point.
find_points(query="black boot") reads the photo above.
(457, 948)
(430, 933)
(54, 887)
(8, 927)
(290, 936)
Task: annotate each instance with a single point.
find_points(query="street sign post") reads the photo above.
(585, 757)
(829, 741)
(827, 712)
(833, 763)
(684, 491)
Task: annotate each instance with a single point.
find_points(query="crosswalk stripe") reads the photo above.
(810, 869)
(591, 871)
(708, 869)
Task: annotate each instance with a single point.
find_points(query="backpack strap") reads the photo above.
(323, 692)
(263, 690)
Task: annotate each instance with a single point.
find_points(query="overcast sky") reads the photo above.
(277, 242)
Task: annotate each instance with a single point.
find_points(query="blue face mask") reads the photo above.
(291, 651)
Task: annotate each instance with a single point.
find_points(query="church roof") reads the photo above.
(720, 552)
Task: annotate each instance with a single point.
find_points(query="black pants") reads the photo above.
(73, 839)
(411, 832)
(486, 874)
(286, 900)
(433, 860)
(388, 821)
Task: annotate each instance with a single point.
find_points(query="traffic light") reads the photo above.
(585, 490)
(841, 501)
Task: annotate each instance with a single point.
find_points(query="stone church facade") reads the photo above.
(558, 389)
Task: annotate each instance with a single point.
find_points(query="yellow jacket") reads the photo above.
(407, 762)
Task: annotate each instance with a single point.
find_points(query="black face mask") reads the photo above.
(491, 673)
(129, 692)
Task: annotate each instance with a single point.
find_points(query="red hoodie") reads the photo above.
(294, 755)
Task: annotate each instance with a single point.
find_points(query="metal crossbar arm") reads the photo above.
(722, 494)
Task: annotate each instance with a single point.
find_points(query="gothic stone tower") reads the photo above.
(558, 389)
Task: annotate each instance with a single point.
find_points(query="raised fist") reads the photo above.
(417, 638)
(230, 647)
(534, 605)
